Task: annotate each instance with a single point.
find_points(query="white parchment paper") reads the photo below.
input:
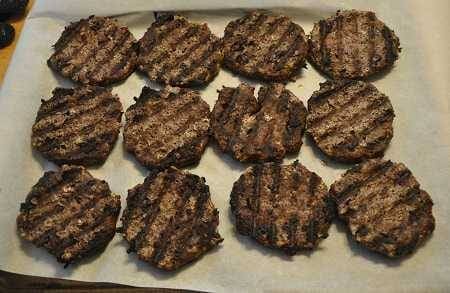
(419, 91)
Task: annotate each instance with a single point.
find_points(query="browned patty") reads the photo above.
(282, 206)
(180, 53)
(264, 46)
(350, 120)
(352, 44)
(384, 207)
(167, 127)
(96, 50)
(258, 130)
(77, 125)
(170, 219)
(69, 213)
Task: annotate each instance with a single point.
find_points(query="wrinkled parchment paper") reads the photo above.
(418, 88)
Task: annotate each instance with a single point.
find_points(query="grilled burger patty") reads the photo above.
(384, 207)
(264, 46)
(69, 213)
(352, 44)
(168, 127)
(282, 206)
(170, 220)
(176, 52)
(350, 120)
(77, 125)
(258, 130)
(96, 50)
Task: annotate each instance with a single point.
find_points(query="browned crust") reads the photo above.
(167, 127)
(352, 45)
(77, 125)
(282, 206)
(96, 50)
(350, 121)
(177, 52)
(264, 46)
(258, 130)
(384, 207)
(170, 220)
(69, 213)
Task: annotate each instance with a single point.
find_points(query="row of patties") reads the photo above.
(349, 121)
(173, 51)
(170, 219)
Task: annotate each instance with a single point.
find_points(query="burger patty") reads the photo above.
(69, 213)
(77, 125)
(384, 207)
(167, 127)
(352, 44)
(264, 46)
(170, 219)
(180, 53)
(350, 120)
(282, 206)
(96, 50)
(258, 130)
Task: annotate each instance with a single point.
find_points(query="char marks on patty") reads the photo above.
(170, 219)
(264, 46)
(77, 125)
(69, 213)
(384, 207)
(258, 130)
(350, 120)
(167, 127)
(96, 50)
(352, 45)
(177, 52)
(282, 206)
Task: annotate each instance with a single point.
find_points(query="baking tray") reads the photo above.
(417, 86)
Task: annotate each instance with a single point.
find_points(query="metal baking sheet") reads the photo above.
(418, 88)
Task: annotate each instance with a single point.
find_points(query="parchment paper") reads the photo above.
(418, 88)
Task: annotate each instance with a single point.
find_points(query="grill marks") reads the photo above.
(281, 206)
(168, 127)
(375, 172)
(69, 213)
(264, 46)
(384, 207)
(350, 120)
(324, 30)
(174, 29)
(371, 35)
(279, 29)
(170, 219)
(41, 218)
(95, 50)
(77, 126)
(176, 52)
(258, 130)
(353, 45)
